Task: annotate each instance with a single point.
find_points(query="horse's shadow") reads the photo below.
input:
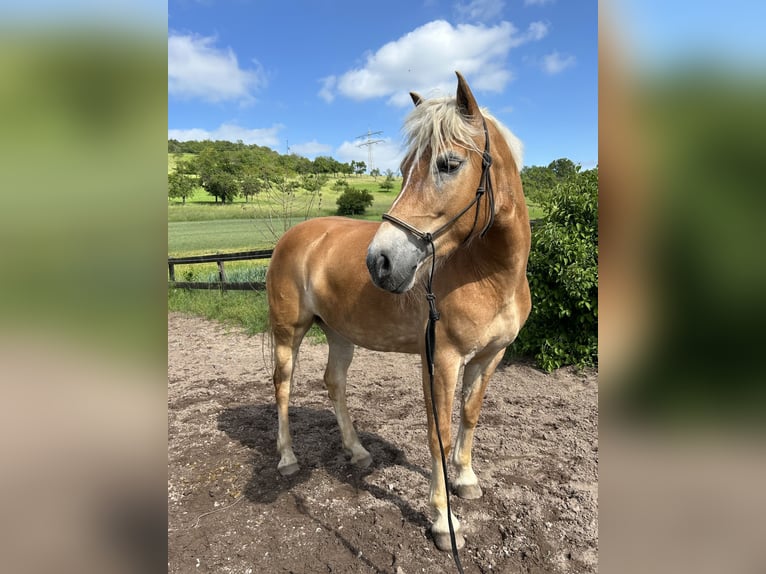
(317, 445)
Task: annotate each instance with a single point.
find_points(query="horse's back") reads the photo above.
(321, 237)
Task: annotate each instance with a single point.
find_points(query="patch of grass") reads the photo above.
(219, 235)
(247, 309)
(252, 271)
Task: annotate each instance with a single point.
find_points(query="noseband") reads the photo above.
(485, 186)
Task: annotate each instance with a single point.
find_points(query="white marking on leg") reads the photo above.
(438, 503)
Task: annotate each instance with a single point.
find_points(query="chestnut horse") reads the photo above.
(461, 212)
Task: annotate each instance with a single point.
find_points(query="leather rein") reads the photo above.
(485, 186)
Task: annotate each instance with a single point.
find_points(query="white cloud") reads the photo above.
(479, 10)
(325, 92)
(230, 132)
(538, 2)
(385, 155)
(311, 149)
(426, 59)
(197, 69)
(555, 63)
(537, 31)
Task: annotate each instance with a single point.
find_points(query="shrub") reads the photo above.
(354, 201)
(388, 183)
(562, 328)
(340, 185)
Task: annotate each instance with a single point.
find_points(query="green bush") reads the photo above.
(388, 183)
(354, 201)
(562, 328)
(340, 185)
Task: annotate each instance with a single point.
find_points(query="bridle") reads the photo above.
(485, 186)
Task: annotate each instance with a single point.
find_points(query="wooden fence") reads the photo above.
(218, 258)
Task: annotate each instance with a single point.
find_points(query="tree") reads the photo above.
(375, 173)
(359, 167)
(223, 186)
(346, 168)
(563, 168)
(205, 165)
(284, 206)
(327, 165)
(180, 185)
(539, 182)
(252, 184)
(354, 201)
(312, 182)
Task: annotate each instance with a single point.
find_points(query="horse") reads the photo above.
(365, 283)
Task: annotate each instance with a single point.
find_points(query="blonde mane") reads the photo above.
(437, 124)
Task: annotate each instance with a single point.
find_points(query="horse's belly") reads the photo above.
(379, 329)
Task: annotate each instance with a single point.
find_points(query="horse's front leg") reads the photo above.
(475, 378)
(446, 373)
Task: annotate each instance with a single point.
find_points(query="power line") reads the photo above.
(369, 143)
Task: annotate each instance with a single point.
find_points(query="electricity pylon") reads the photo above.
(369, 143)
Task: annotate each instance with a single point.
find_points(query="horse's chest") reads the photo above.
(489, 327)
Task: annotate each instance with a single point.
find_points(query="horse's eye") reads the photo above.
(448, 164)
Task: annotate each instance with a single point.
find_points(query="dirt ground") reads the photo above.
(229, 510)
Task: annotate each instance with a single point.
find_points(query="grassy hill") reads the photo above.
(203, 226)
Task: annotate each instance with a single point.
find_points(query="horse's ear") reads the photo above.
(466, 103)
(416, 99)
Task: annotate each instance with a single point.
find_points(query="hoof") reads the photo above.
(288, 469)
(363, 461)
(443, 542)
(468, 491)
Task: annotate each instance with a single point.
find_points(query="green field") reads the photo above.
(218, 235)
(203, 226)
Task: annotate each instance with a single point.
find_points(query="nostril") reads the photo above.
(383, 264)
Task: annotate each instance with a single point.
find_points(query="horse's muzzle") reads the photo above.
(392, 260)
(379, 266)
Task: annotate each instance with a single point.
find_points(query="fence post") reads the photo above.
(221, 275)
(172, 271)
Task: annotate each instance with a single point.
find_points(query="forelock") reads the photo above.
(437, 125)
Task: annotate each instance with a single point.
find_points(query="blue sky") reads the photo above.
(315, 75)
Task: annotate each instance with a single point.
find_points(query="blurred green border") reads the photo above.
(83, 228)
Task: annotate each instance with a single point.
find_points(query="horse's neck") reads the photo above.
(502, 252)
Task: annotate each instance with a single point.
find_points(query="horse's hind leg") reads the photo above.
(475, 379)
(286, 344)
(340, 356)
